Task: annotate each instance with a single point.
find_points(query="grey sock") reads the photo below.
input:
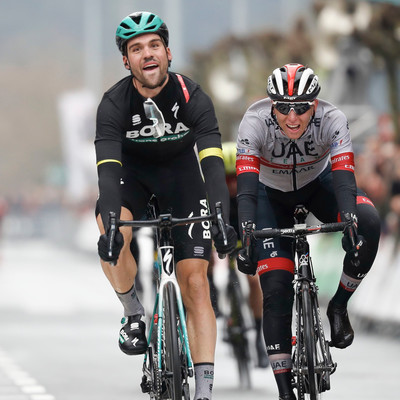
(204, 378)
(131, 303)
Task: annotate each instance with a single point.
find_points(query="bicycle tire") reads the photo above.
(237, 331)
(324, 362)
(309, 342)
(172, 376)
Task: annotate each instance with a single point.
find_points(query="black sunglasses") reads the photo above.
(298, 108)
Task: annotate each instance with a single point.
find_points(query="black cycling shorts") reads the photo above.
(180, 190)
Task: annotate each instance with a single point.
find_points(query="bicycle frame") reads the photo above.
(167, 273)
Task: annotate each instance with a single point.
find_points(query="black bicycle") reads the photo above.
(238, 322)
(312, 360)
(167, 362)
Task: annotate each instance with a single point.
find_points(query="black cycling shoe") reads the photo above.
(288, 396)
(132, 336)
(342, 333)
(262, 356)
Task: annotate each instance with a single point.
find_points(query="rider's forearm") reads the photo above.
(247, 198)
(214, 176)
(109, 174)
(213, 169)
(109, 191)
(345, 188)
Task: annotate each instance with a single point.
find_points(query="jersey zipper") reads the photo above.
(294, 178)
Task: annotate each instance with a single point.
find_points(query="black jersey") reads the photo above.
(125, 137)
(188, 114)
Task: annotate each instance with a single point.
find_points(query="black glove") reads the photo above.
(102, 247)
(219, 240)
(246, 259)
(352, 243)
(246, 264)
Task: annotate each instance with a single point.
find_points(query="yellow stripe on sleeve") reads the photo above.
(212, 151)
(109, 160)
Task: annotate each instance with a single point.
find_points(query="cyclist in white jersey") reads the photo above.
(293, 148)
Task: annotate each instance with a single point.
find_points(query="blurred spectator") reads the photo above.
(378, 173)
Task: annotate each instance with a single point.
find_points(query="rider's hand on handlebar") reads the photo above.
(352, 243)
(218, 238)
(103, 247)
(246, 264)
(246, 259)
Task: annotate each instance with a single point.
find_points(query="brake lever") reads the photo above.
(112, 228)
(221, 226)
(248, 230)
(352, 236)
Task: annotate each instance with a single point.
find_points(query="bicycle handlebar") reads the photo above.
(165, 221)
(300, 230)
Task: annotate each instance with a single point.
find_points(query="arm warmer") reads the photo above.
(109, 175)
(247, 198)
(213, 169)
(344, 185)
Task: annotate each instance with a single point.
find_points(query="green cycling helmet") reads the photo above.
(229, 153)
(137, 24)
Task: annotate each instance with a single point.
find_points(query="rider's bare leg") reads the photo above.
(122, 275)
(201, 323)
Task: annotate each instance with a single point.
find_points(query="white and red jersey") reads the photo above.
(285, 164)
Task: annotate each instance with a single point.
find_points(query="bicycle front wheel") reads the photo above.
(172, 376)
(309, 338)
(237, 330)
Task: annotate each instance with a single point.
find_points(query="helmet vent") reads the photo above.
(151, 27)
(124, 25)
(136, 19)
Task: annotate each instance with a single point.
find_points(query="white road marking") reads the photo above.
(18, 384)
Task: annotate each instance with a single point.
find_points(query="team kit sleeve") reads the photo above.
(247, 169)
(208, 141)
(108, 157)
(342, 160)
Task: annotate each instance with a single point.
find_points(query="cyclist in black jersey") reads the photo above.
(296, 149)
(157, 134)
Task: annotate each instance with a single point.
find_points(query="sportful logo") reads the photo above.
(136, 120)
(198, 251)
